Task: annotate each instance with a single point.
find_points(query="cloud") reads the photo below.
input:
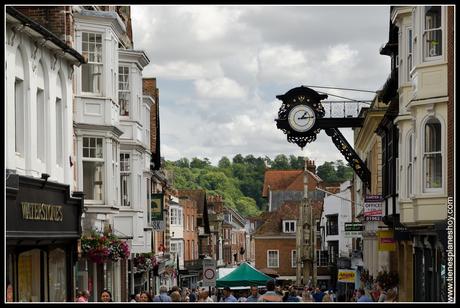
(219, 69)
(219, 88)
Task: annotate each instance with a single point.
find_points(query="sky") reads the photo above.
(219, 69)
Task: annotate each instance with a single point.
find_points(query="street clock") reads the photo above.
(298, 114)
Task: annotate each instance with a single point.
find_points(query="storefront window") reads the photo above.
(29, 282)
(57, 276)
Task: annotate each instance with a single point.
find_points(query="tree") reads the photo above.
(281, 162)
(238, 159)
(327, 172)
(182, 163)
(198, 163)
(247, 207)
(297, 163)
(224, 163)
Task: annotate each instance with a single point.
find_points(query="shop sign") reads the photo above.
(373, 208)
(41, 211)
(158, 225)
(156, 206)
(346, 276)
(353, 229)
(386, 240)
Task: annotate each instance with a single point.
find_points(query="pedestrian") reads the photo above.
(254, 294)
(163, 296)
(333, 296)
(306, 296)
(318, 295)
(327, 297)
(175, 296)
(270, 295)
(362, 297)
(228, 296)
(82, 296)
(391, 295)
(145, 297)
(192, 295)
(203, 296)
(243, 297)
(292, 295)
(106, 296)
(132, 298)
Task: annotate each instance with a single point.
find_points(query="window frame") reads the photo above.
(410, 165)
(425, 31)
(126, 91)
(291, 223)
(425, 153)
(294, 258)
(277, 258)
(96, 159)
(125, 172)
(99, 64)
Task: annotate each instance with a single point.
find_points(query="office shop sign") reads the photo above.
(373, 210)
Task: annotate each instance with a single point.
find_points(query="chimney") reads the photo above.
(311, 166)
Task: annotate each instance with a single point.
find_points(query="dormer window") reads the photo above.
(289, 226)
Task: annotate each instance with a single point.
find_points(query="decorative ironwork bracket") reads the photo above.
(350, 155)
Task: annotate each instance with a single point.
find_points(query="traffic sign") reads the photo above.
(209, 273)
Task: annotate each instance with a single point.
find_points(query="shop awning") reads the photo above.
(244, 276)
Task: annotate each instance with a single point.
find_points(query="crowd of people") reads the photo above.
(270, 293)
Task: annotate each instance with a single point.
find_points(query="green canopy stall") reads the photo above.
(244, 276)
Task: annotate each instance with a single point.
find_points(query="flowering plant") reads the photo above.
(145, 262)
(102, 248)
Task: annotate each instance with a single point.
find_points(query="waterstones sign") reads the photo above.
(41, 211)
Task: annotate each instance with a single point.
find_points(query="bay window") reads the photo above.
(410, 165)
(123, 90)
(91, 77)
(93, 168)
(432, 32)
(432, 155)
(125, 174)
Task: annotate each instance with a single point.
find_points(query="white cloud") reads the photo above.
(219, 88)
(219, 69)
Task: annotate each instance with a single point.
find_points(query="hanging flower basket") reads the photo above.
(145, 262)
(103, 248)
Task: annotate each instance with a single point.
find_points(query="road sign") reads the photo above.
(209, 273)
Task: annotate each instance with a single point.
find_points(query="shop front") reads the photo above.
(42, 232)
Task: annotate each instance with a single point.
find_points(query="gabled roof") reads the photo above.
(288, 211)
(288, 180)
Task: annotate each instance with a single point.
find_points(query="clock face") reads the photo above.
(301, 118)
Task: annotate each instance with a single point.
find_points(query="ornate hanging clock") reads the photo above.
(298, 115)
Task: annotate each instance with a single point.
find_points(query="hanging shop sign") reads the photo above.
(346, 276)
(353, 229)
(156, 207)
(386, 240)
(373, 208)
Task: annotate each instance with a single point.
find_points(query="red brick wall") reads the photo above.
(56, 19)
(150, 88)
(190, 236)
(284, 246)
(450, 107)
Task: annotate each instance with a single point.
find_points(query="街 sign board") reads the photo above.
(386, 240)
(209, 273)
(346, 276)
(156, 207)
(373, 208)
(353, 229)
